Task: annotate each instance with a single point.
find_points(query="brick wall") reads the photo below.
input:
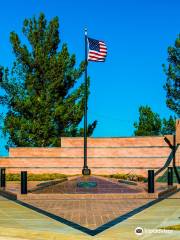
(105, 156)
(178, 142)
(178, 131)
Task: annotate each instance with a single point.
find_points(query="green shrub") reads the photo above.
(35, 177)
(129, 177)
(13, 177)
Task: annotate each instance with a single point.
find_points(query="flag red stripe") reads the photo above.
(97, 53)
(103, 50)
(95, 56)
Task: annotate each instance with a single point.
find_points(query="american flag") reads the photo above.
(97, 50)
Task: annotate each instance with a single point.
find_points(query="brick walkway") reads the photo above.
(91, 209)
(90, 213)
(18, 222)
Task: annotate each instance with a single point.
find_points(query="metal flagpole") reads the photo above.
(85, 170)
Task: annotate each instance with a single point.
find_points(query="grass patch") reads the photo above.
(35, 177)
(129, 177)
(174, 227)
(163, 178)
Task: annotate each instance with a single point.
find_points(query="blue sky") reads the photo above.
(137, 34)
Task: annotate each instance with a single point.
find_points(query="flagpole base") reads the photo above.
(86, 171)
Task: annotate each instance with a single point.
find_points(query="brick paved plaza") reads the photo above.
(90, 213)
(104, 185)
(87, 207)
(18, 222)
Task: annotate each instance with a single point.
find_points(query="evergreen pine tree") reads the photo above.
(168, 126)
(40, 93)
(149, 123)
(172, 85)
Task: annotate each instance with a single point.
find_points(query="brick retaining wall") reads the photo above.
(105, 156)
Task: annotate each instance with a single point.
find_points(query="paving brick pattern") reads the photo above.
(90, 207)
(103, 186)
(92, 212)
(18, 222)
(87, 212)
